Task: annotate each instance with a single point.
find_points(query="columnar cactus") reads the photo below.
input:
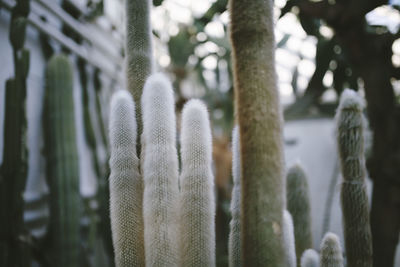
(126, 184)
(261, 145)
(160, 173)
(289, 240)
(13, 170)
(331, 252)
(197, 205)
(138, 49)
(354, 199)
(298, 204)
(62, 162)
(310, 258)
(234, 234)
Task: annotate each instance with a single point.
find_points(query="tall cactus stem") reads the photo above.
(197, 204)
(331, 251)
(298, 204)
(62, 162)
(160, 173)
(138, 49)
(354, 199)
(234, 245)
(261, 145)
(126, 184)
(310, 258)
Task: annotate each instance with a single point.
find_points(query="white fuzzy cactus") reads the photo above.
(234, 234)
(126, 185)
(160, 173)
(288, 239)
(197, 205)
(331, 251)
(310, 258)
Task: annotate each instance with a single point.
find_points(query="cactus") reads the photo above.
(298, 204)
(13, 170)
(261, 145)
(331, 252)
(354, 199)
(138, 48)
(62, 162)
(234, 234)
(310, 258)
(126, 184)
(197, 205)
(289, 240)
(160, 173)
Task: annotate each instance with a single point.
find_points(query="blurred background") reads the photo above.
(316, 59)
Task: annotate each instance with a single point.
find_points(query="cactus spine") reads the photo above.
(234, 234)
(260, 119)
(138, 49)
(197, 205)
(298, 204)
(289, 239)
(331, 252)
(160, 173)
(62, 162)
(126, 185)
(310, 258)
(354, 199)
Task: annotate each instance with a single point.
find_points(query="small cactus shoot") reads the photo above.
(331, 251)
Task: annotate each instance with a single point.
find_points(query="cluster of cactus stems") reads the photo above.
(162, 219)
(62, 162)
(170, 225)
(13, 171)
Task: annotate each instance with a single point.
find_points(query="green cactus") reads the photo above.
(13, 171)
(62, 162)
(331, 251)
(139, 54)
(354, 199)
(261, 143)
(298, 204)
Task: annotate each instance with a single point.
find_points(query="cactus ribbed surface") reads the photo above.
(289, 240)
(298, 204)
(138, 49)
(197, 205)
(310, 258)
(261, 143)
(354, 199)
(126, 184)
(160, 173)
(234, 234)
(62, 162)
(331, 252)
